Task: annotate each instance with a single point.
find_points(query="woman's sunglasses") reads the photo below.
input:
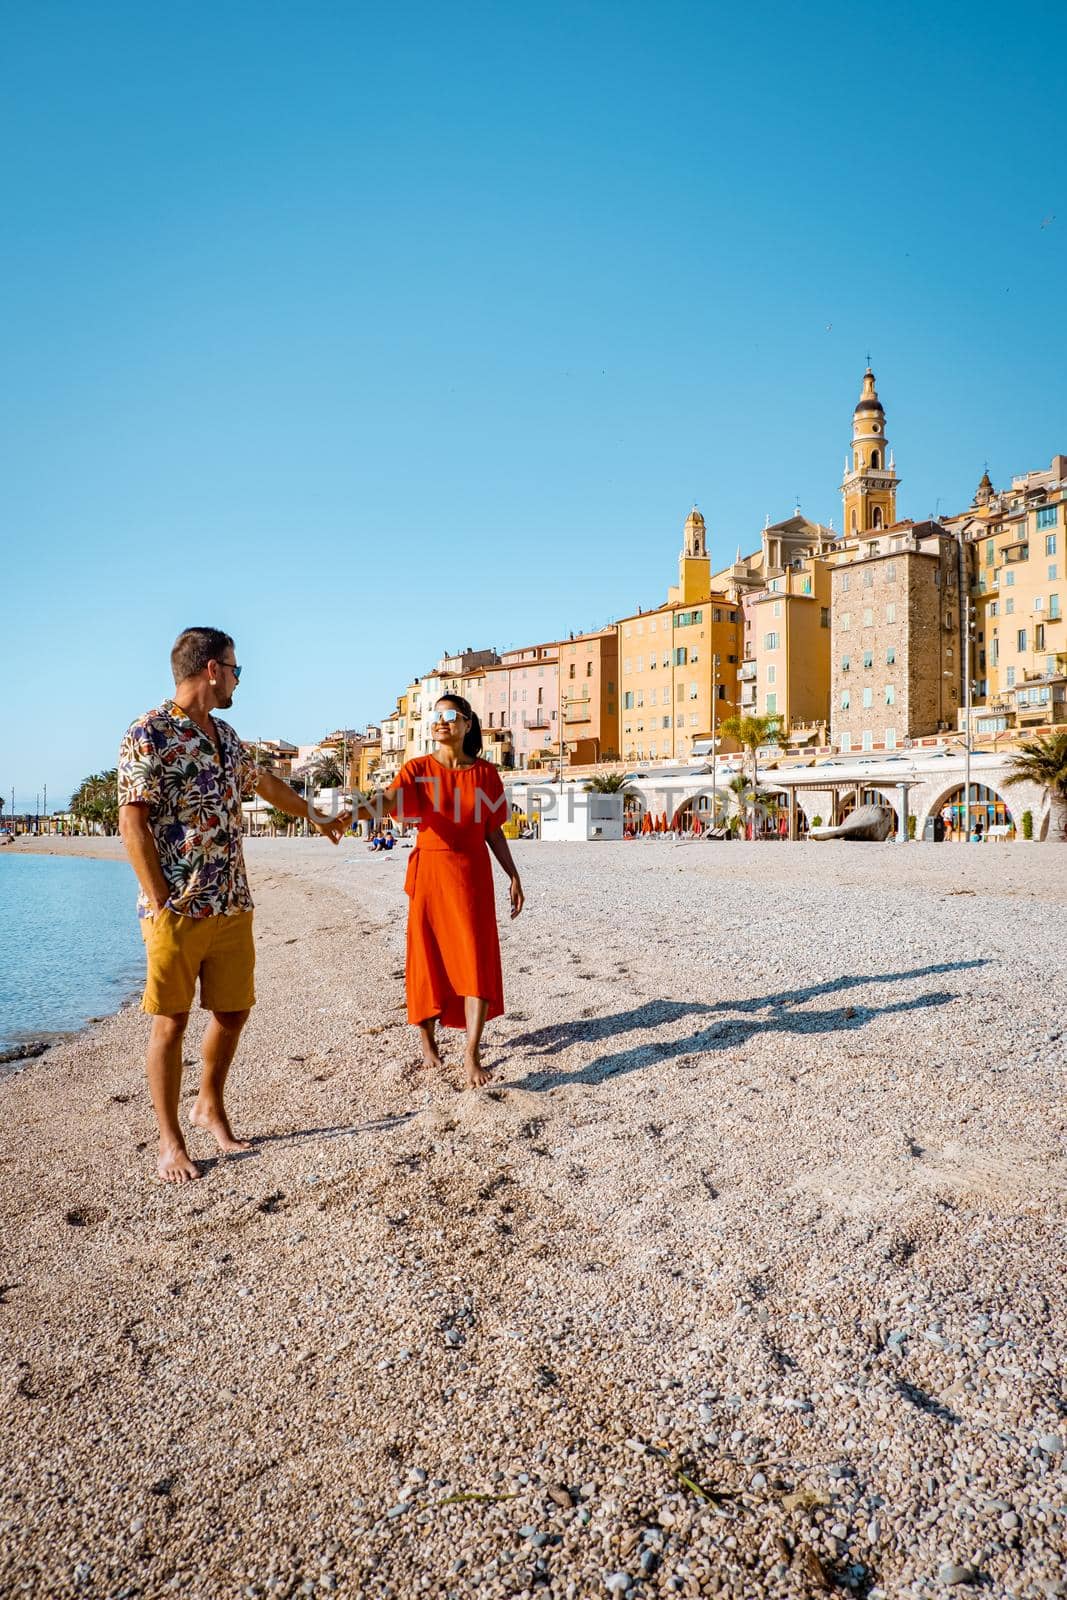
(449, 715)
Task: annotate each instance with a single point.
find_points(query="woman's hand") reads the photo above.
(518, 899)
(334, 828)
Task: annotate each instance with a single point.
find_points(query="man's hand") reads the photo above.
(278, 793)
(333, 828)
(140, 843)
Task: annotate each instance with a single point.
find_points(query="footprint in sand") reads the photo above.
(85, 1216)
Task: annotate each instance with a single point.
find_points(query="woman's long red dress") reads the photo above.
(453, 948)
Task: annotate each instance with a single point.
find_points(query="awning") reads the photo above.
(802, 738)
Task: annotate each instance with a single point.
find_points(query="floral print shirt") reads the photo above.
(193, 792)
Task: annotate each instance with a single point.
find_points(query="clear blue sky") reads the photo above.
(371, 332)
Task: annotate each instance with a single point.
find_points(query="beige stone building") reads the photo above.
(896, 669)
(895, 609)
(678, 661)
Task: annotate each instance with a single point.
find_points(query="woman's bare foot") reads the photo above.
(174, 1165)
(431, 1056)
(213, 1120)
(477, 1076)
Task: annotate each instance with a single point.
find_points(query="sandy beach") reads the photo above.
(744, 1277)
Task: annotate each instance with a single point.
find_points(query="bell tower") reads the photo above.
(694, 564)
(869, 486)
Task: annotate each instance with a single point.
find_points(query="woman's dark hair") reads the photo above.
(194, 648)
(472, 739)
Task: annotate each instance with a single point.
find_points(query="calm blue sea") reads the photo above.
(69, 944)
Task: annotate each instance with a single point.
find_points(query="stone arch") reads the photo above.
(876, 517)
(876, 459)
(819, 802)
(1011, 798)
(710, 806)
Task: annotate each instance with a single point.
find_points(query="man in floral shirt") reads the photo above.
(182, 777)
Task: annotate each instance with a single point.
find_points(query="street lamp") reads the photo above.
(967, 630)
(564, 702)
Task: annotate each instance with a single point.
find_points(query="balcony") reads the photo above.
(535, 719)
(748, 671)
(578, 710)
(1019, 551)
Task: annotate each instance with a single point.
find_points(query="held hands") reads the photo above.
(518, 899)
(334, 828)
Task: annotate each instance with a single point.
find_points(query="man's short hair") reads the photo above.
(194, 648)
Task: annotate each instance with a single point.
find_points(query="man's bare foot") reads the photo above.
(214, 1120)
(174, 1165)
(477, 1076)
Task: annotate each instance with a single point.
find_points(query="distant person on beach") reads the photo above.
(453, 949)
(182, 777)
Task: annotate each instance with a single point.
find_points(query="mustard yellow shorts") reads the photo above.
(218, 950)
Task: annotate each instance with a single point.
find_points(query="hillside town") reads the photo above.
(887, 636)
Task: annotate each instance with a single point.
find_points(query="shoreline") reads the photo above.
(18, 1046)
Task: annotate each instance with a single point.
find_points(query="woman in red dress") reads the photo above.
(453, 948)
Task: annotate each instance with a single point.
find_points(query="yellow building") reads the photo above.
(679, 660)
(786, 667)
(413, 720)
(1018, 543)
(370, 755)
(393, 741)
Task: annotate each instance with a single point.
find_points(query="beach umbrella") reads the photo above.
(664, 825)
(647, 824)
(697, 829)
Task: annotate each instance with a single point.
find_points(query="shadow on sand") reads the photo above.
(728, 1034)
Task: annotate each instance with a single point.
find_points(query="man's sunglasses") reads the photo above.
(234, 668)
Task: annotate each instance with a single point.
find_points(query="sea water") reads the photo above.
(69, 943)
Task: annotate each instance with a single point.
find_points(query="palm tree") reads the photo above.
(280, 821)
(745, 799)
(1043, 761)
(751, 733)
(326, 771)
(262, 758)
(96, 800)
(607, 783)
